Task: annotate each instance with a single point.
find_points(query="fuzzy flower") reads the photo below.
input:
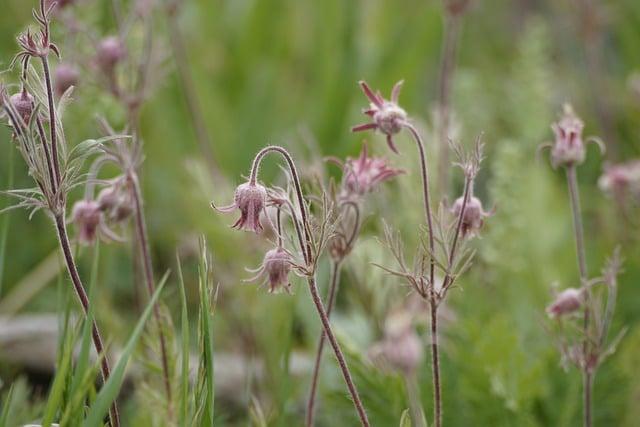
(66, 75)
(275, 269)
(109, 53)
(568, 148)
(251, 199)
(386, 115)
(621, 179)
(474, 215)
(23, 103)
(401, 347)
(565, 302)
(362, 175)
(115, 203)
(87, 217)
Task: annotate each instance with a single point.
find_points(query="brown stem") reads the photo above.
(331, 298)
(338, 352)
(435, 361)
(143, 245)
(84, 302)
(52, 119)
(587, 380)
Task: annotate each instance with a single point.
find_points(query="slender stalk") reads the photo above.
(587, 375)
(435, 361)
(338, 352)
(84, 302)
(47, 155)
(52, 119)
(143, 244)
(331, 298)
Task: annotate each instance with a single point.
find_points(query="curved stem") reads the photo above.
(52, 119)
(334, 281)
(338, 352)
(143, 244)
(587, 380)
(84, 302)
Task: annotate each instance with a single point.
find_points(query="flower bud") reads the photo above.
(362, 175)
(401, 347)
(277, 266)
(116, 205)
(66, 75)
(251, 199)
(568, 148)
(109, 53)
(565, 302)
(86, 217)
(473, 217)
(23, 103)
(621, 179)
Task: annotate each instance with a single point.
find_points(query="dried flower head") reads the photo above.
(251, 199)
(66, 75)
(23, 103)
(86, 216)
(566, 302)
(621, 179)
(109, 53)
(473, 217)
(568, 148)
(363, 174)
(275, 268)
(386, 115)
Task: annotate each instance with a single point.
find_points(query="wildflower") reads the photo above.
(66, 75)
(621, 178)
(276, 266)
(59, 4)
(87, 217)
(473, 217)
(565, 302)
(116, 204)
(110, 52)
(251, 199)
(386, 115)
(401, 347)
(568, 148)
(363, 174)
(23, 103)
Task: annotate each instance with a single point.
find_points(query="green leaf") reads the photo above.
(405, 419)
(184, 330)
(4, 416)
(110, 390)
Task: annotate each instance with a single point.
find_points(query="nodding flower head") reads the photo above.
(251, 199)
(116, 203)
(110, 52)
(23, 103)
(66, 75)
(473, 217)
(386, 115)
(401, 346)
(566, 302)
(86, 216)
(568, 149)
(363, 174)
(275, 269)
(621, 179)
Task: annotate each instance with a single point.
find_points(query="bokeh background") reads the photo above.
(286, 72)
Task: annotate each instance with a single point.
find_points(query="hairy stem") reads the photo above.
(435, 361)
(338, 352)
(52, 119)
(587, 379)
(84, 302)
(143, 244)
(331, 298)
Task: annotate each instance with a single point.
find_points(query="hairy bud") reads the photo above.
(473, 216)
(250, 199)
(566, 302)
(86, 217)
(621, 179)
(115, 203)
(275, 269)
(66, 75)
(568, 148)
(23, 103)
(110, 52)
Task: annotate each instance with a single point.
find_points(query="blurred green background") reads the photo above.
(286, 72)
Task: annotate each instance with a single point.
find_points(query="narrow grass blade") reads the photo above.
(4, 232)
(184, 330)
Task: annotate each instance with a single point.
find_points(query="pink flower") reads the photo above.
(251, 199)
(23, 103)
(116, 203)
(275, 267)
(621, 178)
(386, 115)
(568, 148)
(363, 174)
(66, 75)
(110, 51)
(565, 302)
(473, 217)
(86, 216)
(401, 347)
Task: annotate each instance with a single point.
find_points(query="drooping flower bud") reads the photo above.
(110, 52)
(363, 174)
(23, 103)
(115, 203)
(401, 347)
(568, 149)
(86, 217)
(66, 75)
(386, 115)
(251, 199)
(275, 269)
(565, 302)
(621, 179)
(473, 216)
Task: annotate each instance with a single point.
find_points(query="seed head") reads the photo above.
(566, 302)
(386, 115)
(251, 199)
(86, 217)
(23, 103)
(568, 148)
(362, 175)
(473, 217)
(66, 75)
(110, 52)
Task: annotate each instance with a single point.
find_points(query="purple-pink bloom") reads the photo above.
(23, 103)
(622, 178)
(110, 51)
(86, 216)
(473, 217)
(568, 148)
(251, 199)
(386, 115)
(363, 174)
(275, 268)
(565, 302)
(66, 75)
